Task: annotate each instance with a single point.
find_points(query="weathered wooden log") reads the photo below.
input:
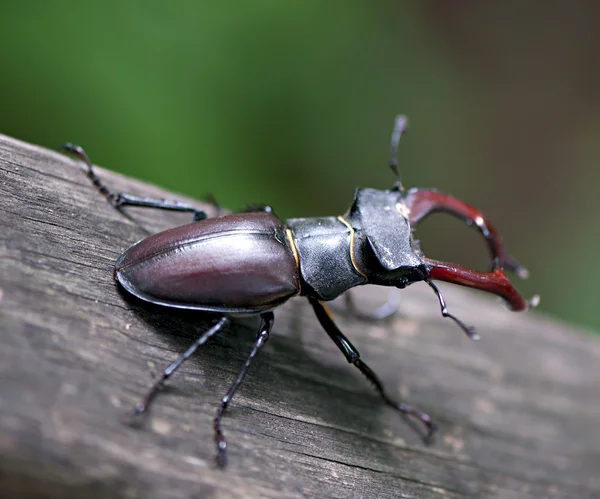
(518, 411)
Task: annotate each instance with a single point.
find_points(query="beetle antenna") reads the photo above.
(400, 126)
(470, 331)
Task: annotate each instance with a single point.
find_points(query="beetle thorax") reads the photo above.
(371, 243)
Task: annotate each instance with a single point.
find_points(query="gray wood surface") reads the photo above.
(519, 411)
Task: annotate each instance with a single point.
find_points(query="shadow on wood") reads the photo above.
(518, 411)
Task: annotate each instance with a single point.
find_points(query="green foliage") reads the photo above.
(288, 103)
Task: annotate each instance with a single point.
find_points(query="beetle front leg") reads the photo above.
(118, 199)
(352, 356)
(263, 335)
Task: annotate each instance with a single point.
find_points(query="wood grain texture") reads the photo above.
(519, 411)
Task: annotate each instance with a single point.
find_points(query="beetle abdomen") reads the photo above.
(238, 263)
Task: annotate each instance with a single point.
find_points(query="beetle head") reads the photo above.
(416, 204)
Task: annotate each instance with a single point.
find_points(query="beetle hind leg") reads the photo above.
(119, 199)
(267, 320)
(142, 405)
(353, 356)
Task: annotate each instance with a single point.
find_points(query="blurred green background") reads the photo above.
(291, 103)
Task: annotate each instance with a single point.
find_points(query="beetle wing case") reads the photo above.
(238, 263)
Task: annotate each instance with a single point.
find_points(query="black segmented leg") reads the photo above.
(118, 199)
(267, 320)
(257, 207)
(143, 404)
(352, 355)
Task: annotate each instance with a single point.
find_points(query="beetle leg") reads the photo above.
(267, 320)
(352, 356)
(143, 404)
(118, 199)
(257, 208)
(389, 308)
(422, 202)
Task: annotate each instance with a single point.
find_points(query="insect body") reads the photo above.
(252, 262)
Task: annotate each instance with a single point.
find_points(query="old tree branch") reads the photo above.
(518, 411)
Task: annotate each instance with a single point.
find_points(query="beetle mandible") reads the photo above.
(252, 262)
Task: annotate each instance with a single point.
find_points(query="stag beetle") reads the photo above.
(252, 262)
